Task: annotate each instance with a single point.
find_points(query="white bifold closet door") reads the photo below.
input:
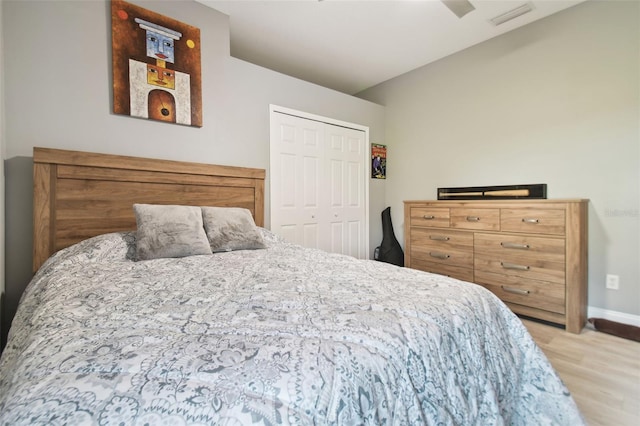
(318, 177)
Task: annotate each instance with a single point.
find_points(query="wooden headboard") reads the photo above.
(78, 195)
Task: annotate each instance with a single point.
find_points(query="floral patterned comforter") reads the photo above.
(283, 335)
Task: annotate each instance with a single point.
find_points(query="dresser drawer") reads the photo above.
(529, 269)
(538, 221)
(477, 219)
(453, 271)
(442, 246)
(536, 294)
(430, 216)
(520, 248)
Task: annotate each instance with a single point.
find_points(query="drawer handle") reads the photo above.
(507, 265)
(438, 238)
(428, 217)
(473, 219)
(515, 246)
(530, 220)
(439, 255)
(515, 290)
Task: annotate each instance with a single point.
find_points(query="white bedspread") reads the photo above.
(284, 335)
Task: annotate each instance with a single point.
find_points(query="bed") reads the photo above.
(266, 333)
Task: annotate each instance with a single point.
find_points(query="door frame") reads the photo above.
(273, 109)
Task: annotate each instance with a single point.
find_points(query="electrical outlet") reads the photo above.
(613, 282)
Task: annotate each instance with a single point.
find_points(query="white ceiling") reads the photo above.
(351, 45)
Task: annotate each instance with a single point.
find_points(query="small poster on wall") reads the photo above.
(378, 161)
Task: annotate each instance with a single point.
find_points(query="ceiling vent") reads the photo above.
(512, 14)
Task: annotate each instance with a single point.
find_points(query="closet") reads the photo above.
(319, 182)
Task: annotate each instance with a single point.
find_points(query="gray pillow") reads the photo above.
(169, 231)
(231, 228)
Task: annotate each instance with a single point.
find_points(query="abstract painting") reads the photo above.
(156, 66)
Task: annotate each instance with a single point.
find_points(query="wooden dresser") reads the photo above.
(530, 253)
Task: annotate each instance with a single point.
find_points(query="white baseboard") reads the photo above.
(593, 312)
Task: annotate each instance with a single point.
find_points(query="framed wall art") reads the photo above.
(156, 66)
(378, 161)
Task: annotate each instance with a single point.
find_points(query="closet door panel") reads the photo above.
(346, 153)
(296, 167)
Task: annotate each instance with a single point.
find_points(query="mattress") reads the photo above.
(282, 335)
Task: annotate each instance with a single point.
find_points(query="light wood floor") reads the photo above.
(601, 371)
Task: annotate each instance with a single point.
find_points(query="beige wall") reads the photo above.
(554, 102)
(58, 94)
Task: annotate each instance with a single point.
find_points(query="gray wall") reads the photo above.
(57, 67)
(554, 102)
(2, 156)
